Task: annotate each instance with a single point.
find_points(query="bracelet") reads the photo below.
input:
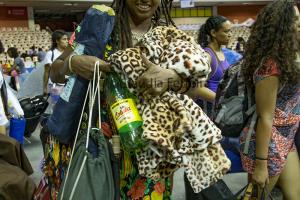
(259, 158)
(70, 63)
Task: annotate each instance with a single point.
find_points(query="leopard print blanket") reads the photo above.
(178, 132)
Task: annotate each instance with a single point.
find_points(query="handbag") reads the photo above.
(250, 193)
(33, 108)
(219, 191)
(95, 31)
(89, 174)
(17, 129)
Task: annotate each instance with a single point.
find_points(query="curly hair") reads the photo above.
(273, 36)
(214, 22)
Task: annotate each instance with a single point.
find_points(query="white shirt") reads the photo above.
(48, 57)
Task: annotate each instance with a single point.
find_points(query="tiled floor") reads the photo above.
(234, 181)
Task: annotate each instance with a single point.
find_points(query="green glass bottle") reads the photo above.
(124, 113)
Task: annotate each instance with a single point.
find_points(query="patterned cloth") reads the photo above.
(56, 160)
(178, 132)
(285, 124)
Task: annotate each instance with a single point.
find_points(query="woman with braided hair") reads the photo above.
(212, 36)
(134, 18)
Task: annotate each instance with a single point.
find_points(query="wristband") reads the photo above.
(259, 158)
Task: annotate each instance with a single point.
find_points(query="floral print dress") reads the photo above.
(285, 124)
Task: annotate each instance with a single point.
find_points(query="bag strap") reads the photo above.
(236, 195)
(89, 92)
(74, 145)
(249, 133)
(250, 187)
(93, 93)
(241, 84)
(52, 55)
(214, 61)
(266, 192)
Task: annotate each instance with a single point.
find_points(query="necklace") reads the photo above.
(139, 36)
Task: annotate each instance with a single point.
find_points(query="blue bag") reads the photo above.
(17, 129)
(231, 56)
(91, 39)
(231, 147)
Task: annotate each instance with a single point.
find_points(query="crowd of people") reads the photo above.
(270, 66)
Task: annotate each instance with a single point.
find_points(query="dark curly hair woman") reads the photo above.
(270, 67)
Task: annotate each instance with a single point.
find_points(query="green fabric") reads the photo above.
(96, 180)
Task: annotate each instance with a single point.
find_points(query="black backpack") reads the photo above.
(234, 104)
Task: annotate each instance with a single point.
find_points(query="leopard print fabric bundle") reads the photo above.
(178, 132)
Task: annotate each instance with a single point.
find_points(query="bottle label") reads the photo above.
(124, 112)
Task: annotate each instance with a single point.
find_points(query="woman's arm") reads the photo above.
(46, 77)
(82, 65)
(202, 92)
(265, 97)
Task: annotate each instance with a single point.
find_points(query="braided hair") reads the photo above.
(121, 35)
(212, 23)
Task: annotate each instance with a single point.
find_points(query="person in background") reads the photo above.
(59, 44)
(17, 68)
(18, 62)
(270, 68)
(32, 51)
(240, 45)
(212, 36)
(24, 55)
(41, 55)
